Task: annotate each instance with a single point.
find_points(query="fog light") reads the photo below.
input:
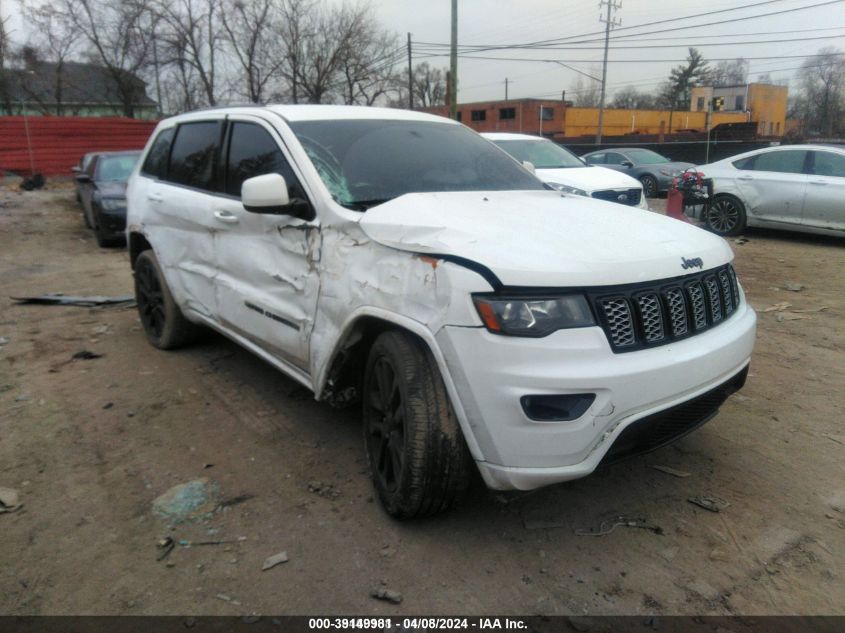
(557, 408)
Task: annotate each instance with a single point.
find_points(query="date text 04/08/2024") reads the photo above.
(387, 624)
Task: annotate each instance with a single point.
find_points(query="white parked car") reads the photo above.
(794, 187)
(398, 259)
(563, 170)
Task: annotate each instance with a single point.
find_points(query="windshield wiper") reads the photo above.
(363, 205)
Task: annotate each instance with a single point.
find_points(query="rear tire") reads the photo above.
(163, 322)
(417, 454)
(726, 216)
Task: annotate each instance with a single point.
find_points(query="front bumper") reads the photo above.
(491, 373)
(112, 223)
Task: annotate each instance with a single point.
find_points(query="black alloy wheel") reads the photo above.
(725, 216)
(163, 321)
(150, 298)
(386, 425)
(649, 186)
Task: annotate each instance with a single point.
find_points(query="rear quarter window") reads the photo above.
(744, 163)
(155, 165)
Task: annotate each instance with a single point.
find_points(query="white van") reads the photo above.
(399, 260)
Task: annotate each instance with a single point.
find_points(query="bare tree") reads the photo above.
(367, 66)
(629, 98)
(821, 101)
(190, 34)
(5, 88)
(251, 28)
(54, 38)
(730, 73)
(120, 36)
(429, 85)
(587, 90)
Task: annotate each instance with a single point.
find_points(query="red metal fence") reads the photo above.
(54, 144)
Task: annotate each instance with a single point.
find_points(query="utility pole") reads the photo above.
(453, 65)
(609, 23)
(410, 77)
(506, 88)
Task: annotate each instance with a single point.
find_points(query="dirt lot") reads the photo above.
(89, 444)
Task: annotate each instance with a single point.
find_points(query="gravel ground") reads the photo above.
(89, 444)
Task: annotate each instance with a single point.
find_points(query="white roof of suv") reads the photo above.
(334, 112)
(510, 136)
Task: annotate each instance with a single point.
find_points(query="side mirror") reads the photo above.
(82, 177)
(266, 194)
(529, 166)
(627, 163)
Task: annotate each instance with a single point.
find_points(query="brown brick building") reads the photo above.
(515, 115)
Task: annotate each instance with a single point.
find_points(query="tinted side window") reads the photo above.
(829, 164)
(192, 159)
(155, 164)
(253, 152)
(787, 162)
(745, 163)
(614, 159)
(595, 159)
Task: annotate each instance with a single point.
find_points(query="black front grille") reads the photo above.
(667, 426)
(631, 196)
(640, 316)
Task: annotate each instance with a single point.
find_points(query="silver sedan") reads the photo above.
(794, 187)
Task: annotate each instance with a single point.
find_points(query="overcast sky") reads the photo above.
(520, 21)
(497, 22)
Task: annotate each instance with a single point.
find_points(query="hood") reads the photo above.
(544, 238)
(589, 178)
(112, 189)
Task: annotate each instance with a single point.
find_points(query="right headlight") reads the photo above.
(535, 317)
(112, 204)
(567, 189)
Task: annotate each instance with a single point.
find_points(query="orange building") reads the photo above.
(764, 104)
(553, 118)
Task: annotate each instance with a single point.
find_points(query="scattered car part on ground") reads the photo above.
(793, 187)
(340, 242)
(654, 171)
(10, 500)
(563, 170)
(71, 300)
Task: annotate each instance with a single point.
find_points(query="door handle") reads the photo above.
(818, 182)
(226, 216)
(745, 177)
(154, 197)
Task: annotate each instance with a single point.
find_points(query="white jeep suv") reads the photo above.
(400, 260)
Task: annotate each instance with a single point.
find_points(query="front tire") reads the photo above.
(163, 322)
(649, 186)
(725, 216)
(417, 454)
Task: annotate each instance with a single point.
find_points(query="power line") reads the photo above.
(689, 44)
(546, 43)
(624, 61)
